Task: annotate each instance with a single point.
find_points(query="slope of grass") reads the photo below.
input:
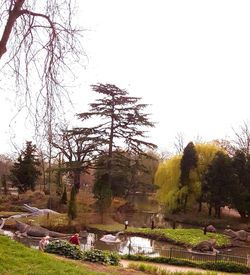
(15, 258)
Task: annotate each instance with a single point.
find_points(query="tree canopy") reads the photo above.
(168, 176)
(25, 172)
(122, 121)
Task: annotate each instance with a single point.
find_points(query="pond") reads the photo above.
(130, 244)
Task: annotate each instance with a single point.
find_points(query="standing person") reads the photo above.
(205, 229)
(126, 225)
(152, 224)
(75, 239)
(43, 242)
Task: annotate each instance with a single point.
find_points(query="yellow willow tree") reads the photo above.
(167, 178)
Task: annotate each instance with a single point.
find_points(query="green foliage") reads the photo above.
(163, 260)
(123, 121)
(152, 269)
(187, 236)
(102, 256)
(72, 212)
(64, 248)
(168, 175)
(102, 193)
(130, 172)
(68, 250)
(17, 258)
(188, 162)
(218, 266)
(240, 191)
(123, 118)
(226, 267)
(24, 172)
(64, 198)
(167, 178)
(219, 181)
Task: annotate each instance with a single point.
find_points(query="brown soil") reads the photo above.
(103, 268)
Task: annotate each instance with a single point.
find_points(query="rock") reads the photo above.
(205, 246)
(240, 235)
(211, 228)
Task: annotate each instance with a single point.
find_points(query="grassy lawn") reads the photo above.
(16, 258)
(187, 236)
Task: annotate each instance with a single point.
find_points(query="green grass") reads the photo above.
(15, 258)
(114, 227)
(154, 270)
(187, 236)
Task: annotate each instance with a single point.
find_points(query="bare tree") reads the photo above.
(79, 148)
(179, 143)
(242, 138)
(38, 45)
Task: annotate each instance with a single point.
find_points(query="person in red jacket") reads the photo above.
(75, 239)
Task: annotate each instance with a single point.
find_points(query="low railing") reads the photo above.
(188, 255)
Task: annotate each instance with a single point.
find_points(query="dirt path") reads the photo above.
(124, 270)
(171, 268)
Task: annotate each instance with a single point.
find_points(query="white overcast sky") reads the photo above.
(189, 59)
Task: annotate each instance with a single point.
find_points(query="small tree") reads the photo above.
(72, 211)
(64, 198)
(25, 172)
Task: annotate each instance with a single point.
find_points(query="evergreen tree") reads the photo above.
(25, 172)
(219, 181)
(72, 211)
(122, 120)
(240, 191)
(188, 163)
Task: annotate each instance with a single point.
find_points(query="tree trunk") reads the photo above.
(77, 180)
(210, 210)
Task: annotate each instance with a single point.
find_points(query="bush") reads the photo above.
(226, 267)
(64, 248)
(101, 256)
(218, 266)
(154, 270)
(163, 260)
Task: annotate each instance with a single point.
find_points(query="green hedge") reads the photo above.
(101, 256)
(226, 267)
(218, 266)
(64, 248)
(68, 250)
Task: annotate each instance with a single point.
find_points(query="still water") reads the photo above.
(129, 244)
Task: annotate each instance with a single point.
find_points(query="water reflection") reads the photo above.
(138, 245)
(128, 245)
